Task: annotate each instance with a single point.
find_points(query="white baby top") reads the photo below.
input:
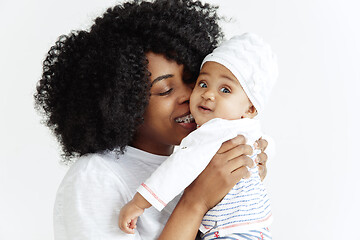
(95, 188)
(245, 207)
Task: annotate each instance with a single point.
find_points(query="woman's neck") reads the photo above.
(154, 148)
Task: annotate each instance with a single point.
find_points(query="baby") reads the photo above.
(233, 85)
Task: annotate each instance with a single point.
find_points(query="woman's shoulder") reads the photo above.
(96, 170)
(93, 164)
(89, 199)
(90, 181)
(110, 172)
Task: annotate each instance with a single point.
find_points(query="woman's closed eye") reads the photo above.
(166, 92)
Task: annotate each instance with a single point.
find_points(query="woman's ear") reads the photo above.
(251, 112)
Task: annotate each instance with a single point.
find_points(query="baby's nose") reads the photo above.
(209, 95)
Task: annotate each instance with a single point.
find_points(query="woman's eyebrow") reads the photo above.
(162, 77)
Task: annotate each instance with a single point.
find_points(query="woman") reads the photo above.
(117, 97)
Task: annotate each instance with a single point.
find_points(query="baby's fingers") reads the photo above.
(133, 223)
(125, 226)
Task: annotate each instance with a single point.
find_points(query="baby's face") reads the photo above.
(218, 94)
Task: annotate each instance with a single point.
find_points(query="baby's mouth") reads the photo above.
(185, 119)
(204, 108)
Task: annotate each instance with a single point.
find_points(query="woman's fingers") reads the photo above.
(228, 166)
(230, 144)
(261, 144)
(239, 162)
(240, 173)
(237, 151)
(262, 158)
(262, 171)
(239, 168)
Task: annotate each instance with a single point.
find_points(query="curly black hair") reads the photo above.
(95, 84)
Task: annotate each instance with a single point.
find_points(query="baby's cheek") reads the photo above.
(192, 104)
(230, 112)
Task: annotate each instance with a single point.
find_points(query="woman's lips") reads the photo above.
(188, 118)
(186, 121)
(190, 126)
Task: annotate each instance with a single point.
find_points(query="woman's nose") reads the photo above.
(185, 93)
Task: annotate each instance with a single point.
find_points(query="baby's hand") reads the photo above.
(128, 217)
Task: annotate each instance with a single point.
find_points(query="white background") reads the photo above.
(313, 113)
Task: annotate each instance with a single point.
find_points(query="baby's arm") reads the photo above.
(130, 212)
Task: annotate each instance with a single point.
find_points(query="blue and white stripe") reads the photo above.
(262, 234)
(245, 205)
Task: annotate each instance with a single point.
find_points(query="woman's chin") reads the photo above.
(188, 126)
(183, 130)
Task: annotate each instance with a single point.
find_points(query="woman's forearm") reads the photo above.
(184, 222)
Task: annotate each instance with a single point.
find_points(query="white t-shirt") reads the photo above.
(94, 190)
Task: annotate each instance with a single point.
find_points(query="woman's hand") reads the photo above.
(262, 157)
(227, 167)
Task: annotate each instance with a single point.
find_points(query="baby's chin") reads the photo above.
(201, 121)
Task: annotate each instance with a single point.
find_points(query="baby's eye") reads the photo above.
(202, 85)
(225, 90)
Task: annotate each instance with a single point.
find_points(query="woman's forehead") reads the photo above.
(160, 66)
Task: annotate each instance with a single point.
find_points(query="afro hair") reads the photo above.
(95, 84)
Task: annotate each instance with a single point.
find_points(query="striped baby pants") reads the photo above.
(261, 234)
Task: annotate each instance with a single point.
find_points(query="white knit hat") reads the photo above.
(252, 62)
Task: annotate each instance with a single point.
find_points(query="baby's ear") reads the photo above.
(251, 112)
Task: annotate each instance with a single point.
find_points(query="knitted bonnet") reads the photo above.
(252, 62)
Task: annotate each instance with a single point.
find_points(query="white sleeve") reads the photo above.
(177, 172)
(87, 207)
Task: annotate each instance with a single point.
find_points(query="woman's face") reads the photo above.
(164, 120)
